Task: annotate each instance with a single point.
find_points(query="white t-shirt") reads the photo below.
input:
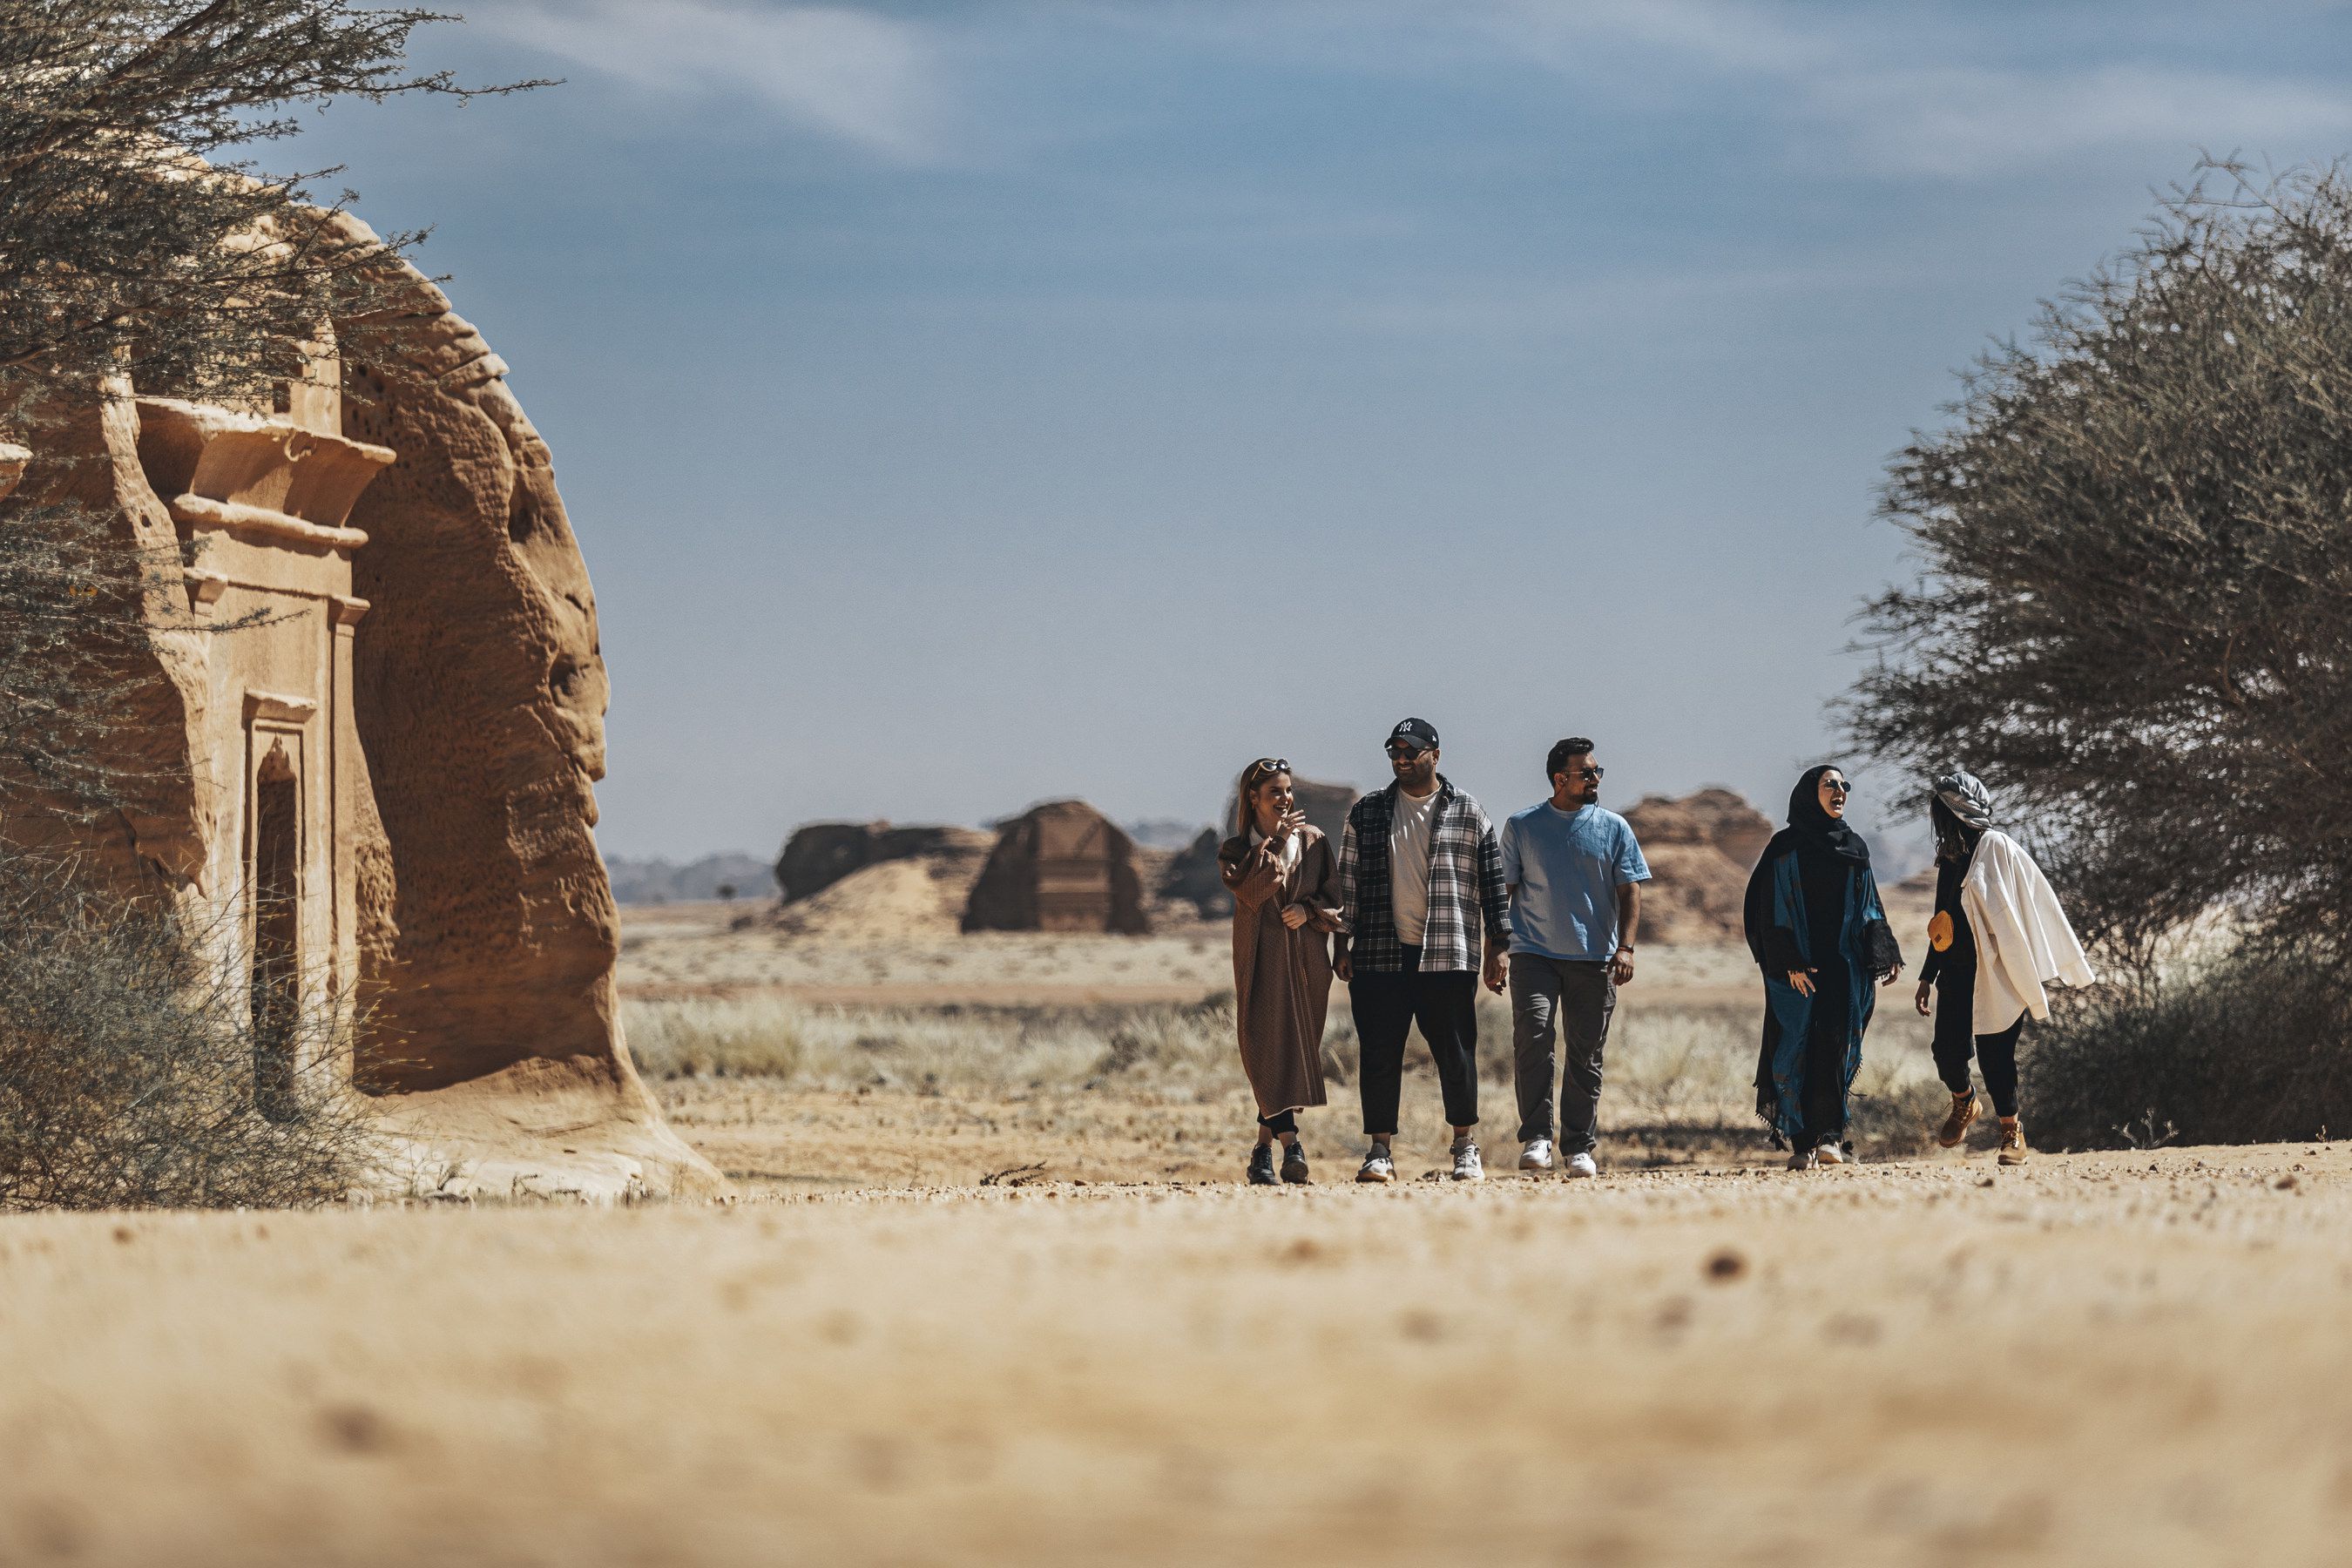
(1409, 833)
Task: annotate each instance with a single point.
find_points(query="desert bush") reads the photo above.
(128, 1066)
(2250, 1049)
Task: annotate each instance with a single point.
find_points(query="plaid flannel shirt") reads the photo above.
(1465, 874)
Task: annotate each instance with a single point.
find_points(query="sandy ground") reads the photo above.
(2101, 1358)
(1113, 1352)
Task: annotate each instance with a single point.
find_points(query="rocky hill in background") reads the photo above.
(879, 883)
(1700, 848)
(639, 881)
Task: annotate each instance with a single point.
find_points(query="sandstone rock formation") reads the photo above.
(917, 899)
(404, 741)
(1700, 849)
(822, 853)
(1191, 877)
(487, 930)
(1060, 866)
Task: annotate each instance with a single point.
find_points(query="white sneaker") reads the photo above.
(1803, 1160)
(1832, 1154)
(1466, 1165)
(1378, 1166)
(1537, 1155)
(1582, 1165)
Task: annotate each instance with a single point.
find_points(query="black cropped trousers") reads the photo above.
(1387, 1004)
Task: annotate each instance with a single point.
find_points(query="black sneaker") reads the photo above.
(1293, 1166)
(1261, 1167)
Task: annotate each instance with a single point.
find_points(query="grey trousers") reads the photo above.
(1551, 997)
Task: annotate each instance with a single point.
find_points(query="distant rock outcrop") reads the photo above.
(920, 899)
(823, 853)
(1700, 849)
(665, 882)
(1190, 878)
(1060, 866)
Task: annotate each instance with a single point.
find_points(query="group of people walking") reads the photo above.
(1424, 899)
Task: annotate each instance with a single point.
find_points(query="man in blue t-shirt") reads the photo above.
(1575, 876)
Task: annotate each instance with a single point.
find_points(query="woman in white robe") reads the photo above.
(1998, 942)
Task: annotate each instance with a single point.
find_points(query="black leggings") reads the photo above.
(1957, 1040)
(1280, 1123)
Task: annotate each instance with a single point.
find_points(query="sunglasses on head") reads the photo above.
(1270, 766)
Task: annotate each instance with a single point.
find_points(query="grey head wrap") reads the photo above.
(1966, 797)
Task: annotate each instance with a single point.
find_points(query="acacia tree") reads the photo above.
(2135, 616)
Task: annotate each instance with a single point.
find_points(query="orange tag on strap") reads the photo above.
(1940, 933)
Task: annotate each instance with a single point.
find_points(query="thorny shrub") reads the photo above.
(130, 1065)
(2248, 1049)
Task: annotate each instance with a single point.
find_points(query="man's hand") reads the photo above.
(1802, 980)
(1294, 915)
(1926, 990)
(1497, 963)
(1342, 966)
(1622, 970)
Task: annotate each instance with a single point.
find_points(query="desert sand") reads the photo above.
(2120, 1358)
(974, 1320)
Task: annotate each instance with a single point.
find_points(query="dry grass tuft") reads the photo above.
(1678, 1078)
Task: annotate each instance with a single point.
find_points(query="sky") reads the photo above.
(961, 406)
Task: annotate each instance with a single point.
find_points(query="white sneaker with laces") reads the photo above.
(1466, 1164)
(1832, 1154)
(1582, 1165)
(1378, 1166)
(1537, 1155)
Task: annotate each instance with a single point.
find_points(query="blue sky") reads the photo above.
(964, 404)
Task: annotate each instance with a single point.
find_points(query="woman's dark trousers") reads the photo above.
(1957, 1040)
(1386, 1005)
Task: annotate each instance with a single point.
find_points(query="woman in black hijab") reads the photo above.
(1819, 932)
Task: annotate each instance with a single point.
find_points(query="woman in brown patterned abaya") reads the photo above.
(1284, 882)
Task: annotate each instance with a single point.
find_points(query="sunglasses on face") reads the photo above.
(1406, 753)
(1837, 786)
(1592, 774)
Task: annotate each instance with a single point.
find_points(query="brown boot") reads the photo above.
(2012, 1142)
(1965, 1109)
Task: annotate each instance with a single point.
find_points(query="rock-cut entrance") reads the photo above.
(277, 979)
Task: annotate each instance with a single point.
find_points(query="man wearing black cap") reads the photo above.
(1421, 881)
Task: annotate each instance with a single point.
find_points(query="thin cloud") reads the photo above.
(1852, 78)
(869, 80)
(1927, 91)
(1963, 123)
